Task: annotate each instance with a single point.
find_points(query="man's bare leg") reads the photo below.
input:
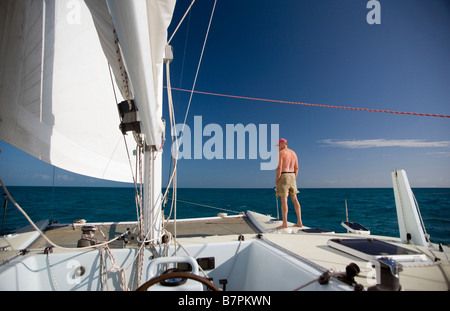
(297, 210)
(284, 212)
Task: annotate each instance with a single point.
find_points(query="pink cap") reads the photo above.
(281, 141)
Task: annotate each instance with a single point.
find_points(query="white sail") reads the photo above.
(142, 30)
(57, 100)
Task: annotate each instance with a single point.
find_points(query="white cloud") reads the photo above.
(374, 143)
(64, 177)
(41, 176)
(439, 154)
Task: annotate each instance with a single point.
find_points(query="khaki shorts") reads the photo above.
(287, 185)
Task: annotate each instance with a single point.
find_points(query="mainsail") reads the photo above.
(57, 95)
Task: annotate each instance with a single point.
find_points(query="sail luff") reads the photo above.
(141, 27)
(109, 42)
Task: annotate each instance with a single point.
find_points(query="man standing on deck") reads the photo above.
(287, 172)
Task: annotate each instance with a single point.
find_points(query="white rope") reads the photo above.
(427, 236)
(173, 178)
(139, 145)
(52, 275)
(181, 21)
(187, 253)
(43, 235)
(114, 267)
(172, 127)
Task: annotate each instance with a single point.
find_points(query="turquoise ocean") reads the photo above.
(322, 208)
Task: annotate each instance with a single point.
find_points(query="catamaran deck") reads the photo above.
(67, 235)
(312, 247)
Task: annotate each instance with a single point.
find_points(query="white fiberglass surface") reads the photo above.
(246, 265)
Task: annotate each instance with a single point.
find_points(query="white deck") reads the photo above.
(314, 247)
(218, 237)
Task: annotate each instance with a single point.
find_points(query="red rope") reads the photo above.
(315, 105)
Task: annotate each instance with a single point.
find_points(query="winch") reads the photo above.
(87, 236)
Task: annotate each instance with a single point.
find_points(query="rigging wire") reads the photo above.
(198, 67)
(313, 105)
(209, 206)
(171, 110)
(172, 178)
(181, 21)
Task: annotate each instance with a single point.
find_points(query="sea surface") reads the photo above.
(322, 208)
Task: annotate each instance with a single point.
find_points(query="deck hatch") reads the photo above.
(372, 249)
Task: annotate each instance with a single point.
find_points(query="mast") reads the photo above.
(152, 213)
(141, 28)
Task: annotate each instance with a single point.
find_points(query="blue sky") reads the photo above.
(318, 52)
